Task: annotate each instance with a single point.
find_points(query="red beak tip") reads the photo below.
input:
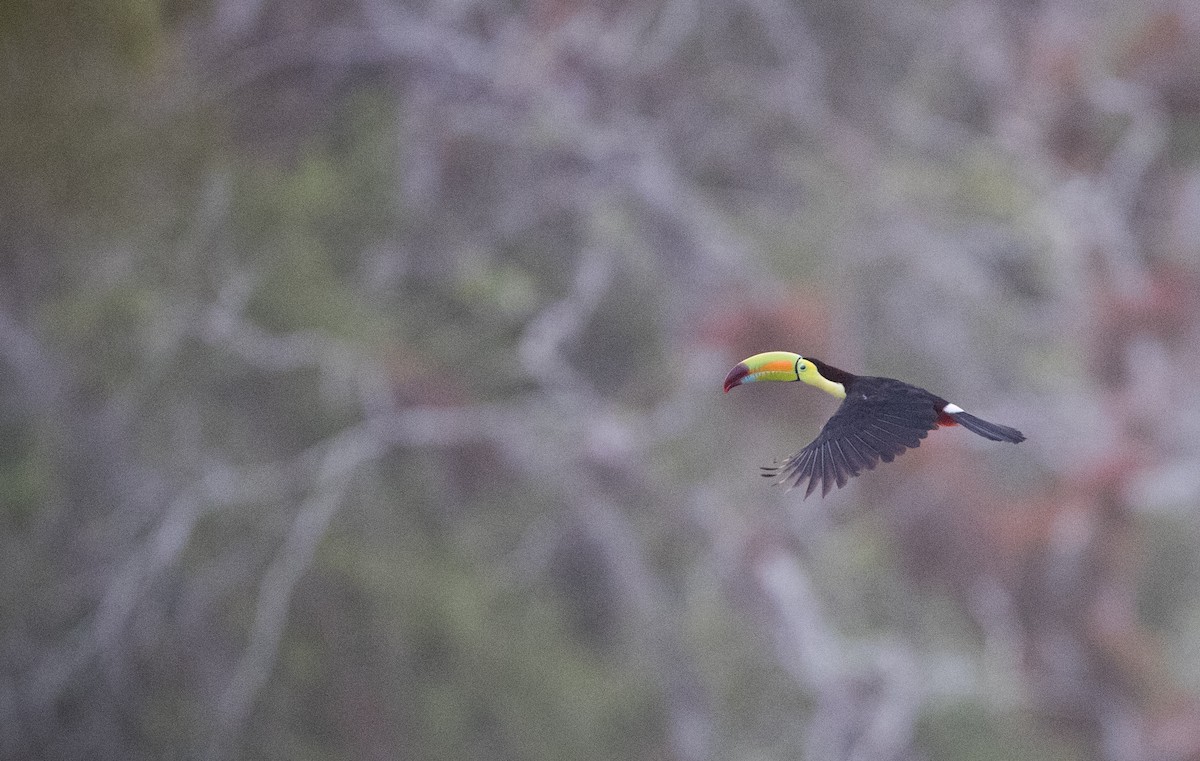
(735, 376)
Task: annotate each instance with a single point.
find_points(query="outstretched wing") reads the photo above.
(873, 424)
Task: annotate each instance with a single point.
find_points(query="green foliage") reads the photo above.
(67, 139)
(468, 662)
(127, 31)
(26, 479)
(307, 225)
(1168, 573)
(756, 703)
(972, 732)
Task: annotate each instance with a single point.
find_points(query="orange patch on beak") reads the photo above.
(778, 366)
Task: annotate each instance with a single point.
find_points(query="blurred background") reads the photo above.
(361, 362)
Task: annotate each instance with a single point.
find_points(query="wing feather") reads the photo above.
(815, 470)
(869, 452)
(845, 471)
(879, 419)
(856, 459)
(828, 475)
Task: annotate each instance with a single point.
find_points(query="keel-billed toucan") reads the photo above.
(878, 419)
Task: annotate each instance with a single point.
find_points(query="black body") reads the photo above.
(878, 420)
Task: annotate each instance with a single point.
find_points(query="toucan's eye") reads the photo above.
(801, 368)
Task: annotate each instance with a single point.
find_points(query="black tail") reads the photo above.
(988, 430)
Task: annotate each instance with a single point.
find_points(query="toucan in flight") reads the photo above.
(878, 419)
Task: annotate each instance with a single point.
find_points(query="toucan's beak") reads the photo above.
(736, 376)
(770, 365)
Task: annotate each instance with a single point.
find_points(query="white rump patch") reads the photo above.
(951, 409)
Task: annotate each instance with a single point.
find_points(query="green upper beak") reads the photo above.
(771, 366)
